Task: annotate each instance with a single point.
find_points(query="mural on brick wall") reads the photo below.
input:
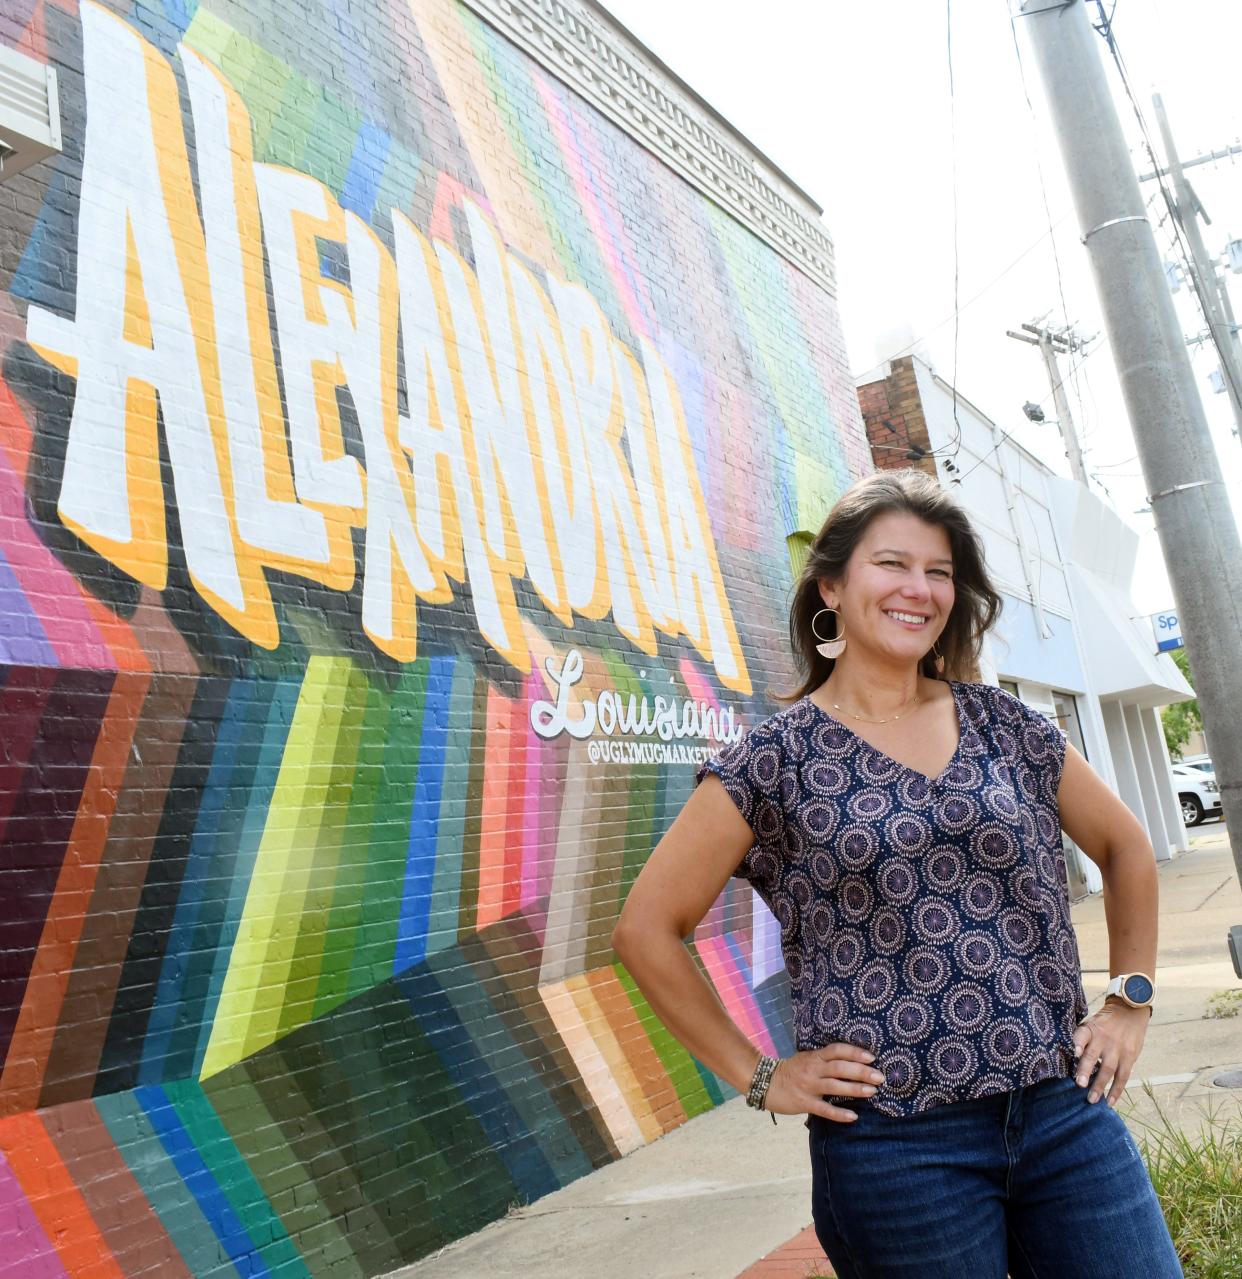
(396, 462)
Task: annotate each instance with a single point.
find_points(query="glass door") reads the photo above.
(1068, 722)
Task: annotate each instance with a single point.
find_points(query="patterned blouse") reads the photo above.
(926, 920)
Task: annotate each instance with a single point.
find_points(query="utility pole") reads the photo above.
(1194, 520)
(1051, 344)
(1186, 211)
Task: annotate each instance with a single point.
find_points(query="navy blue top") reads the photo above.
(924, 919)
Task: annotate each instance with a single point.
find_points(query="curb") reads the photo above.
(800, 1258)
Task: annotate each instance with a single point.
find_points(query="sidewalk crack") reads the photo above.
(1223, 883)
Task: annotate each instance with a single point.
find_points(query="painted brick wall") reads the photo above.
(396, 462)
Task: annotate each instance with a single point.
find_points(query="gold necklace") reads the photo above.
(892, 719)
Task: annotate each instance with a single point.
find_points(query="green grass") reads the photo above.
(1198, 1179)
(1225, 1003)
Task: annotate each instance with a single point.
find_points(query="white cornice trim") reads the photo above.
(584, 46)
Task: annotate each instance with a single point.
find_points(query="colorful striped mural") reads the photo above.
(396, 465)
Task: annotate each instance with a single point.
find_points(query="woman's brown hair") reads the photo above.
(976, 604)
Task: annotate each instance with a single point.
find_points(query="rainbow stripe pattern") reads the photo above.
(306, 947)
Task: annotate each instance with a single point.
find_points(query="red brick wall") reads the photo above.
(893, 414)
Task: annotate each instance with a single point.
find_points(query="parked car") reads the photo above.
(1197, 792)
(1202, 762)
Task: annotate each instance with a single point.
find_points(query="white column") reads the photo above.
(1095, 738)
(1158, 748)
(1124, 767)
(1148, 782)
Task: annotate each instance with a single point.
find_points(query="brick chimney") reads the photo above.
(893, 413)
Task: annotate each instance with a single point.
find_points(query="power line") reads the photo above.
(1182, 473)
(1043, 187)
(970, 301)
(1213, 298)
(1090, 420)
(1100, 344)
(1007, 437)
(966, 474)
(1105, 29)
(957, 259)
(954, 448)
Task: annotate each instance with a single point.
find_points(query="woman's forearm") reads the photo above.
(686, 1003)
(1131, 908)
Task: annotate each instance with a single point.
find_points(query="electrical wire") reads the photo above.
(1090, 420)
(970, 301)
(1037, 588)
(1005, 435)
(957, 259)
(952, 449)
(958, 479)
(1043, 189)
(1086, 355)
(1105, 29)
(1073, 371)
(983, 457)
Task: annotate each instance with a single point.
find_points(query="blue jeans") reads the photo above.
(1036, 1183)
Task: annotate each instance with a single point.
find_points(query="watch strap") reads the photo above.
(1116, 987)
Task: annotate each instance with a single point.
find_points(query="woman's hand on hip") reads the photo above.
(1111, 1038)
(801, 1081)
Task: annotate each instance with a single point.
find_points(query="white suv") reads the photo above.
(1197, 792)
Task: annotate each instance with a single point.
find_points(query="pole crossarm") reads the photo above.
(1224, 153)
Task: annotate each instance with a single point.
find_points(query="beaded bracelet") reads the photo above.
(761, 1081)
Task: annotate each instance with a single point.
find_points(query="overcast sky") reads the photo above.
(852, 100)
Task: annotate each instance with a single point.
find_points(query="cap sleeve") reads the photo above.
(749, 770)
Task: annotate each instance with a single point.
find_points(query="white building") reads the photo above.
(1069, 641)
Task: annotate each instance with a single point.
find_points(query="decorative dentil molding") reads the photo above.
(579, 43)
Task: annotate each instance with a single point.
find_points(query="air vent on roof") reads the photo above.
(29, 112)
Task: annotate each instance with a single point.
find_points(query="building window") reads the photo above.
(1009, 685)
(1068, 721)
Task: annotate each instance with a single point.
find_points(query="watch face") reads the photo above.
(1138, 989)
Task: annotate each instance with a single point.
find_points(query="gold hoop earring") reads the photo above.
(832, 648)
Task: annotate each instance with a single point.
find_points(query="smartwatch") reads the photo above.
(1135, 989)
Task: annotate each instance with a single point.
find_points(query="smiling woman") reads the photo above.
(903, 825)
(904, 527)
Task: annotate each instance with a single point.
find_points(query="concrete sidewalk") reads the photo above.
(729, 1193)
(1199, 901)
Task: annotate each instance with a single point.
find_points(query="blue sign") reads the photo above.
(1168, 628)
